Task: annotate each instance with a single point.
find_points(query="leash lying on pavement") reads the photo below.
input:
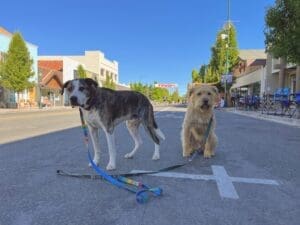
(121, 180)
(141, 190)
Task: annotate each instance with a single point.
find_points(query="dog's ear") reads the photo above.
(190, 92)
(90, 82)
(216, 93)
(215, 89)
(63, 88)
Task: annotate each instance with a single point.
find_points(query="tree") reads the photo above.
(211, 76)
(195, 76)
(202, 72)
(16, 70)
(175, 97)
(81, 71)
(154, 93)
(160, 94)
(224, 53)
(282, 33)
(109, 83)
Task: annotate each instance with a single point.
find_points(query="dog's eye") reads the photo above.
(209, 93)
(70, 89)
(81, 88)
(199, 93)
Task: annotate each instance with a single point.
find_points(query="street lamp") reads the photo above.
(226, 36)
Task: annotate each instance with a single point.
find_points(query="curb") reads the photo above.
(30, 110)
(277, 119)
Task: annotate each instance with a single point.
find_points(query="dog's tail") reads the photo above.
(151, 125)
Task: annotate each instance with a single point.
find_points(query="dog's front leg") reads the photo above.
(210, 145)
(94, 132)
(112, 151)
(185, 140)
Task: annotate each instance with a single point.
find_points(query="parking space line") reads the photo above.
(224, 181)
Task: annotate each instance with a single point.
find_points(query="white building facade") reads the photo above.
(94, 62)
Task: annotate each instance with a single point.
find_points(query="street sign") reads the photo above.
(226, 78)
(172, 85)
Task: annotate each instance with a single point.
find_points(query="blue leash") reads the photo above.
(122, 181)
(141, 191)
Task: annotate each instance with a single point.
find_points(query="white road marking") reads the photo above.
(224, 181)
(169, 115)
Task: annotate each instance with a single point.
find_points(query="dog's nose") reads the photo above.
(73, 100)
(205, 101)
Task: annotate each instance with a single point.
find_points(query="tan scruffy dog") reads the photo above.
(201, 101)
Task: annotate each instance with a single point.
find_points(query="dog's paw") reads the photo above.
(207, 154)
(128, 156)
(110, 167)
(96, 162)
(156, 157)
(184, 154)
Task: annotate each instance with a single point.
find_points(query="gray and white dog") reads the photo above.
(105, 108)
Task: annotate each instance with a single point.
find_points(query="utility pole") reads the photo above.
(227, 47)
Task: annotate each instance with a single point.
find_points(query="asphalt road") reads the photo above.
(253, 179)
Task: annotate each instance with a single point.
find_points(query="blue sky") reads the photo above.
(157, 40)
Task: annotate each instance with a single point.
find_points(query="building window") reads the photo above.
(107, 73)
(102, 72)
(116, 75)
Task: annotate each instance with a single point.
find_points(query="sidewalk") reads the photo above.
(64, 108)
(35, 109)
(258, 115)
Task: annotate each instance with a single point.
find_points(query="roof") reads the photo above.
(51, 64)
(47, 75)
(5, 32)
(258, 62)
(252, 54)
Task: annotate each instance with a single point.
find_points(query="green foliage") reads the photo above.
(224, 55)
(109, 83)
(224, 52)
(175, 97)
(159, 94)
(202, 72)
(81, 72)
(282, 30)
(155, 93)
(211, 76)
(195, 76)
(139, 87)
(16, 70)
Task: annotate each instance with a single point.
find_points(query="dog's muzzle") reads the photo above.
(74, 101)
(205, 105)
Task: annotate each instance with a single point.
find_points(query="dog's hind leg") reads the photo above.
(133, 128)
(153, 131)
(94, 132)
(111, 150)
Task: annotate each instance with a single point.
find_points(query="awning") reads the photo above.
(248, 79)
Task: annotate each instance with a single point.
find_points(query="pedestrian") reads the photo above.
(222, 102)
